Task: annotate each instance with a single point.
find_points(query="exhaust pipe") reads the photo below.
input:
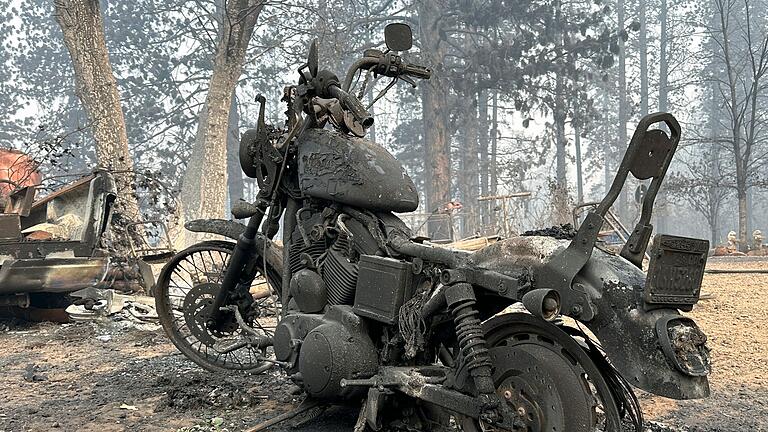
(543, 303)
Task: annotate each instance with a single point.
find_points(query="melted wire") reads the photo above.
(411, 322)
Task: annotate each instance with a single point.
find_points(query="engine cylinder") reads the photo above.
(339, 274)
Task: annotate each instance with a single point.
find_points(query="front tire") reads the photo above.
(186, 287)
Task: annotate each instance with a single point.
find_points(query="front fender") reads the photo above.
(232, 229)
(635, 340)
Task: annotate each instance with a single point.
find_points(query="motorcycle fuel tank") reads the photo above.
(353, 171)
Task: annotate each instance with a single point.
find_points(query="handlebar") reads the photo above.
(417, 71)
(351, 104)
(363, 63)
(392, 69)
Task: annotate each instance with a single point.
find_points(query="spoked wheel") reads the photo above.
(184, 297)
(547, 378)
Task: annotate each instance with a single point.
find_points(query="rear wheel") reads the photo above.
(184, 296)
(545, 376)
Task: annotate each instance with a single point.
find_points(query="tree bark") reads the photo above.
(205, 180)
(483, 141)
(579, 172)
(714, 166)
(560, 198)
(494, 153)
(735, 112)
(757, 69)
(622, 137)
(560, 113)
(642, 41)
(83, 29)
(607, 174)
(437, 156)
(469, 177)
(235, 183)
(663, 60)
(661, 215)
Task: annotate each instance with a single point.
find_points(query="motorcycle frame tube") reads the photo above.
(451, 258)
(241, 256)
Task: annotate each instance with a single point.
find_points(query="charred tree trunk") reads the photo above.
(622, 136)
(560, 198)
(493, 156)
(560, 113)
(714, 166)
(83, 29)
(235, 183)
(661, 215)
(483, 141)
(469, 177)
(607, 174)
(437, 149)
(642, 41)
(579, 171)
(663, 60)
(735, 112)
(203, 190)
(757, 67)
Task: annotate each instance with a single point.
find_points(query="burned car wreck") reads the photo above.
(53, 245)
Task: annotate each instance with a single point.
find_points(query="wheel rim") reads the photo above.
(546, 390)
(547, 378)
(184, 295)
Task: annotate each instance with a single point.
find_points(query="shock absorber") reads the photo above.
(461, 300)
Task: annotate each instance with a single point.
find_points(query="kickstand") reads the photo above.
(308, 404)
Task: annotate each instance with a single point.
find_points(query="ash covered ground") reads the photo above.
(113, 377)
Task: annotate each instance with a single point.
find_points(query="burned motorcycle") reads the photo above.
(530, 333)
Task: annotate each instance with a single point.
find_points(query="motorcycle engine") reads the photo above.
(324, 341)
(327, 244)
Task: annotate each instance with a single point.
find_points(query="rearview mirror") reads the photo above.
(398, 36)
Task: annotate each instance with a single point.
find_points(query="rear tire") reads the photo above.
(547, 377)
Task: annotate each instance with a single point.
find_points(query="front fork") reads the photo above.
(235, 273)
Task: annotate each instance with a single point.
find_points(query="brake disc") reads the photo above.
(198, 305)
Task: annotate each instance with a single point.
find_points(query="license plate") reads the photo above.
(675, 271)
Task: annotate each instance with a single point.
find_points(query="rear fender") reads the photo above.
(635, 340)
(658, 350)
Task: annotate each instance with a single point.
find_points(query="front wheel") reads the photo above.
(547, 378)
(184, 295)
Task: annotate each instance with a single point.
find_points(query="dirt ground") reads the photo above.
(111, 377)
(734, 320)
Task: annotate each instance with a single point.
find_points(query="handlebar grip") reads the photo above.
(418, 71)
(352, 104)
